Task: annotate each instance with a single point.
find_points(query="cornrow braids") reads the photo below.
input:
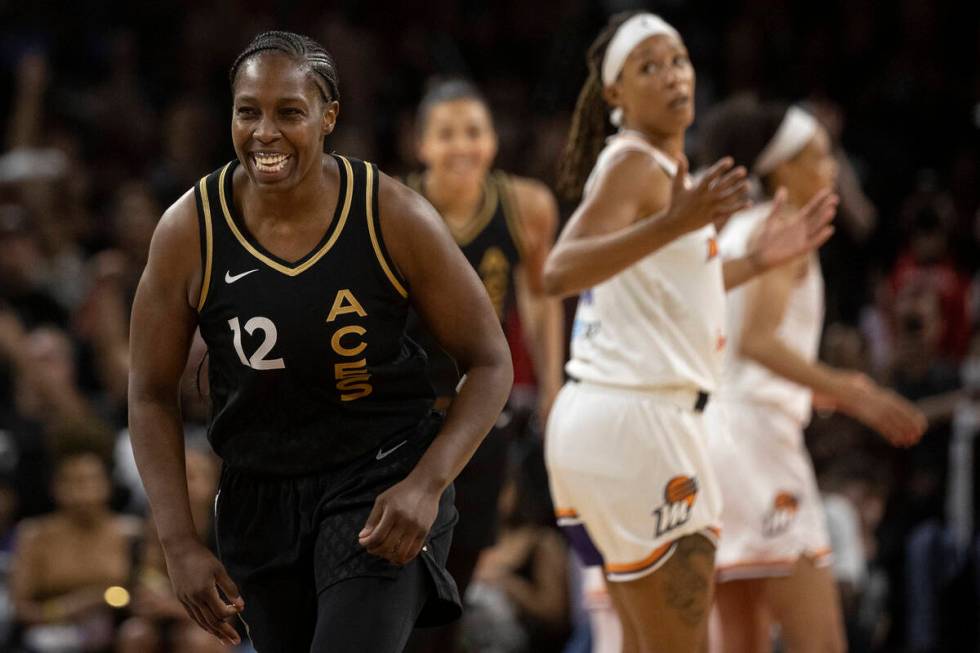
(302, 49)
(590, 122)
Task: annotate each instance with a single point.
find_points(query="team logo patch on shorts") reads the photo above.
(781, 515)
(680, 494)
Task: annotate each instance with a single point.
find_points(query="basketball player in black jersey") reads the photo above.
(505, 226)
(335, 508)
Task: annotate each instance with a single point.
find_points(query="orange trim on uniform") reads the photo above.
(649, 561)
(565, 512)
(781, 562)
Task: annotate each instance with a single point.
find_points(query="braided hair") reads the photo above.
(301, 49)
(590, 122)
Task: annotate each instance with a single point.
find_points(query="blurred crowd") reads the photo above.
(111, 110)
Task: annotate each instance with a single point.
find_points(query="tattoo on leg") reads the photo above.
(687, 581)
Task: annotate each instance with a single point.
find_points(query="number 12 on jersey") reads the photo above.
(258, 360)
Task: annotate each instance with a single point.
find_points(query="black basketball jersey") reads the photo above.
(491, 243)
(309, 364)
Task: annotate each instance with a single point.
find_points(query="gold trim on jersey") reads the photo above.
(465, 233)
(208, 245)
(369, 205)
(511, 213)
(307, 264)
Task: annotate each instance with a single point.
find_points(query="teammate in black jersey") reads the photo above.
(335, 509)
(505, 226)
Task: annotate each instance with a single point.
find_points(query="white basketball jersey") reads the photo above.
(744, 379)
(660, 322)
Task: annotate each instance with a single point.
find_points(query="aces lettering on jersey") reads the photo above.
(348, 341)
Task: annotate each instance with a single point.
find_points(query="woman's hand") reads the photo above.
(196, 576)
(783, 239)
(400, 521)
(722, 191)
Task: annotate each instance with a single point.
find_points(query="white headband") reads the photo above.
(630, 34)
(796, 130)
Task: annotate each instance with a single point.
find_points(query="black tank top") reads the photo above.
(310, 365)
(491, 243)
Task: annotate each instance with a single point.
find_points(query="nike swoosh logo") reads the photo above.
(232, 279)
(384, 454)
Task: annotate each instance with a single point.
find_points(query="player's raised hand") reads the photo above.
(784, 238)
(196, 576)
(722, 191)
(400, 521)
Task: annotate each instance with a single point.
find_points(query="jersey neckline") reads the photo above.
(467, 231)
(290, 268)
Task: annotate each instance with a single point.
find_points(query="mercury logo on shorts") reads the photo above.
(680, 494)
(781, 515)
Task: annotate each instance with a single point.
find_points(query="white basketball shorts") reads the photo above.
(630, 475)
(773, 514)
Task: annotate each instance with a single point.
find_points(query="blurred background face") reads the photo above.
(50, 352)
(81, 485)
(656, 87)
(458, 142)
(809, 172)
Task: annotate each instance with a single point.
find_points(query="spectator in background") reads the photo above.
(524, 575)
(160, 623)
(928, 217)
(65, 562)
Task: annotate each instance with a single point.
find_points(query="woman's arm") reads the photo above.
(542, 316)
(784, 238)
(545, 596)
(898, 420)
(453, 304)
(162, 326)
(605, 234)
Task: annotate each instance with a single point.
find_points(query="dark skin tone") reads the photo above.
(279, 110)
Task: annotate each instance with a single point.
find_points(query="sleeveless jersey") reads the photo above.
(491, 243)
(309, 365)
(660, 322)
(744, 379)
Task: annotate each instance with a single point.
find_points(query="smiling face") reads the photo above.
(457, 141)
(279, 120)
(656, 87)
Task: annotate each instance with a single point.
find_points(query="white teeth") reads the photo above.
(267, 162)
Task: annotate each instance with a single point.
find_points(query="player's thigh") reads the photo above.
(668, 608)
(280, 609)
(806, 605)
(370, 613)
(742, 623)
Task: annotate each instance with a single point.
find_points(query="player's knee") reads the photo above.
(137, 635)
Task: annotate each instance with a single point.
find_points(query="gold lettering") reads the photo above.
(352, 379)
(344, 303)
(495, 273)
(348, 351)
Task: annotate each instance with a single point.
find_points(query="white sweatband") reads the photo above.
(630, 34)
(796, 130)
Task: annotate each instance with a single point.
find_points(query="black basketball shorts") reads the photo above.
(284, 540)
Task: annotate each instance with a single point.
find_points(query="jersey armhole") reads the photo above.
(512, 213)
(373, 183)
(206, 239)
